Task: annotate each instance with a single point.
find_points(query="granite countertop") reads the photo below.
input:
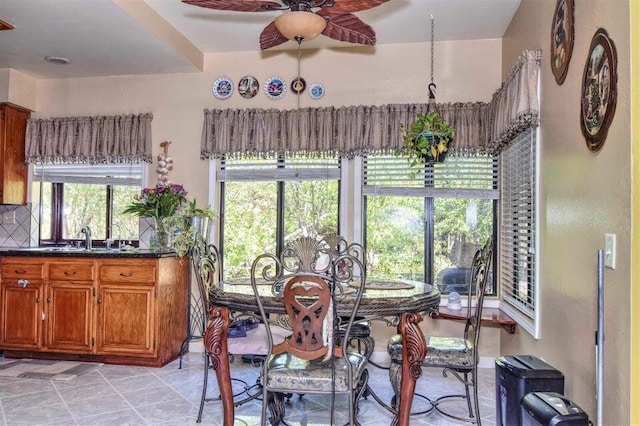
(100, 252)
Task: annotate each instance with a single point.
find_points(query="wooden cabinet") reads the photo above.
(127, 308)
(21, 300)
(13, 170)
(127, 311)
(70, 301)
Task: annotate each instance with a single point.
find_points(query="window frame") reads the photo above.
(280, 176)
(527, 317)
(430, 192)
(60, 174)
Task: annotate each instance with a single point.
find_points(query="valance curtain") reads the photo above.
(92, 140)
(514, 107)
(354, 130)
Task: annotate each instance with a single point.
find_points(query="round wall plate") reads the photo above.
(298, 85)
(275, 87)
(316, 91)
(248, 86)
(222, 88)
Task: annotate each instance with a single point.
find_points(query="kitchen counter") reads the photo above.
(98, 252)
(99, 305)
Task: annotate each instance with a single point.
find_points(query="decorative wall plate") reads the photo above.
(223, 88)
(316, 91)
(298, 84)
(562, 39)
(599, 90)
(275, 87)
(248, 86)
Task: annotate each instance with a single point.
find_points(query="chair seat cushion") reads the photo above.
(288, 373)
(255, 343)
(441, 351)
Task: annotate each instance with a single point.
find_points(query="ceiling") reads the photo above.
(126, 37)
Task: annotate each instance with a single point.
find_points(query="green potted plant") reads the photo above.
(192, 220)
(427, 139)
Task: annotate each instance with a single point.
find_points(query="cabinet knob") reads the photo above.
(48, 299)
(19, 271)
(70, 272)
(37, 300)
(99, 301)
(128, 274)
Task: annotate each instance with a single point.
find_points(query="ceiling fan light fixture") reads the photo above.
(300, 24)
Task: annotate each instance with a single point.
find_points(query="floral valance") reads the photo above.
(353, 130)
(93, 140)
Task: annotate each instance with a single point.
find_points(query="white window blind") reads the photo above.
(283, 169)
(107, 174)
(518, 231)
(457, 177)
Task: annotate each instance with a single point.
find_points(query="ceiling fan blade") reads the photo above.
(271, 37)
(347, 27)
(346, 6)
(237, 5)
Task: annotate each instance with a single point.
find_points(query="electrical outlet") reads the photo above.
(610, 251)
(9, 218)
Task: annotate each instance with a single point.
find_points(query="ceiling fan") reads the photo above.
(334, 19)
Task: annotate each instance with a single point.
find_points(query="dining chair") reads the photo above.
(455, 355)
(300, 288)
(361, 330)
(205, 259)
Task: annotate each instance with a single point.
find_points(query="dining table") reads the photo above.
(401, 303)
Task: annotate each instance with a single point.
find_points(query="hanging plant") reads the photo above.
(427, 139)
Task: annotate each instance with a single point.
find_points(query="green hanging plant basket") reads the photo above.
(427, 139)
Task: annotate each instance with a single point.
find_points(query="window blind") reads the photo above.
(518, 237)
(108, 174)
(474, 176)
(282, 169)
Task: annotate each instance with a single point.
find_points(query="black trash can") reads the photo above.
(551, 409)
(517, 376)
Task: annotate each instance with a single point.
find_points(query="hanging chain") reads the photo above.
(431, 48)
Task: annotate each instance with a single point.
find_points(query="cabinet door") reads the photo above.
(70, 316)
(22, 315)
(13, 185)
(126, 320)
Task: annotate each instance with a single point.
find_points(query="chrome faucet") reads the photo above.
(87, 236)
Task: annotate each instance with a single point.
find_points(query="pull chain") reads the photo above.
(299, 40)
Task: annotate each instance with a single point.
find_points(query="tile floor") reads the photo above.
(123, 395)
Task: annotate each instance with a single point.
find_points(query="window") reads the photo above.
(74, 195)
(265, 203)
(429, 227)
(518, 225)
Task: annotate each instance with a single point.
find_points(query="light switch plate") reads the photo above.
(610, 251)
(9, 218)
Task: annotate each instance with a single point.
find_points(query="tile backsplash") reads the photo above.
(22, 233)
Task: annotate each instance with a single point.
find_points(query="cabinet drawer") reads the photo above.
(71, 272)
(22, 270)
(128, 273)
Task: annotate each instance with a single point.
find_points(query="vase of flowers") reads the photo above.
(158, 203)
